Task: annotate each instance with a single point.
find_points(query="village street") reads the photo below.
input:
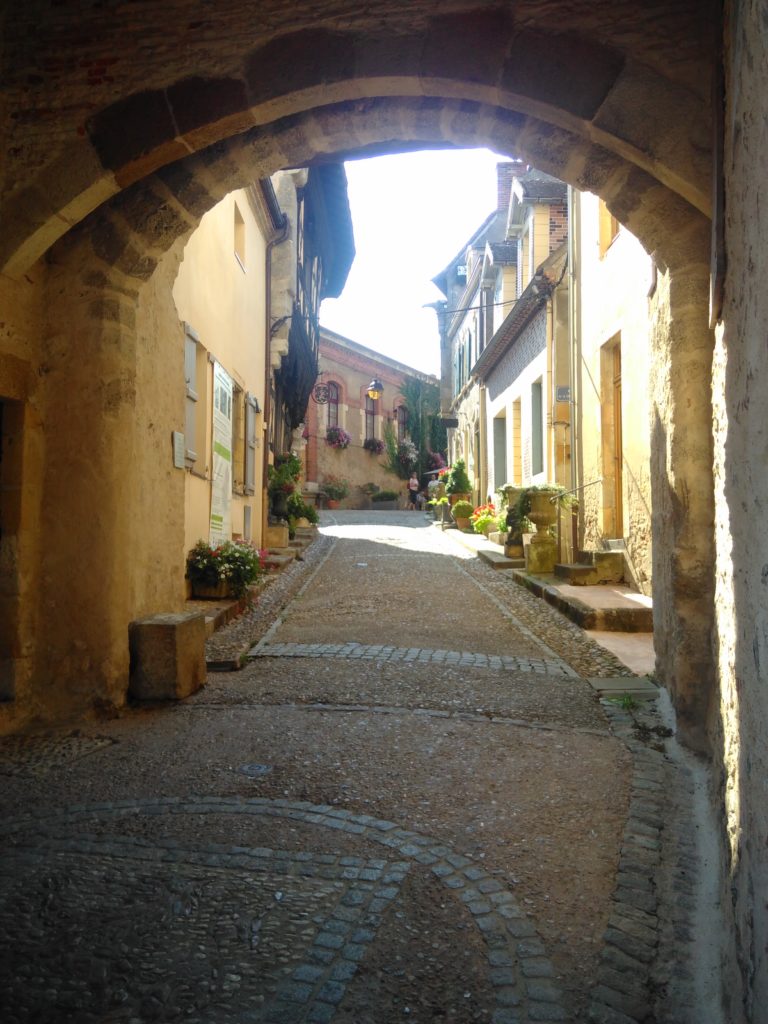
(409, 805)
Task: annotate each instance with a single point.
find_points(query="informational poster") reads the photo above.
(221, 485)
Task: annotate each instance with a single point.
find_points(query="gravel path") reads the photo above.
(408, 805)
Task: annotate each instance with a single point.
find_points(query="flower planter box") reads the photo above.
(207, 593)
(384, 506)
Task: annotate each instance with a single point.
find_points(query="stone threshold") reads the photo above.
(619, 617)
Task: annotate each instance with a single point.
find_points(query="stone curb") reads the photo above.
(407, 655)
(645, 940)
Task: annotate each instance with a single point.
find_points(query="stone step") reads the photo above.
(279, 558)
(593, 568)
(575, 572)
(498, 560)
(618, 618)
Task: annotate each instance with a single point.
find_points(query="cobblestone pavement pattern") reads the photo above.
(408, 805)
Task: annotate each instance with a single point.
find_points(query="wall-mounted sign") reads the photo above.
(449, 423)
(563, 393)
(178, 449)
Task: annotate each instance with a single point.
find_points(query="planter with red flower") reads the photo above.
(337, 437)
(336, 488)
(226, 570)
(374, 445)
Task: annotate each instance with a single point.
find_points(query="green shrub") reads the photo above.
(384, 496)
(457, 481)
(462, 510)
(299, 509)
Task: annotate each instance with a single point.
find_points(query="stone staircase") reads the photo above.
(593, 568)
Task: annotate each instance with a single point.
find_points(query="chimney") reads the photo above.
(504, 174)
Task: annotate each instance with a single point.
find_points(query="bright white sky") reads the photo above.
(411, 214)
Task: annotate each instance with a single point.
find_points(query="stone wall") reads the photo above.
(741, 504)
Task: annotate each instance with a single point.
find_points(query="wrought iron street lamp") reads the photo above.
(375, 389)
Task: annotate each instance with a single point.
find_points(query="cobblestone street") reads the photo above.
(408, 805)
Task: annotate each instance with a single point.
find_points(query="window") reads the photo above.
(333, 404)
(609, 228)
(402, 422)
(537, 429)
(190, 378)
(238, 440)
(239, 237)
(251, 408)
(370, 416)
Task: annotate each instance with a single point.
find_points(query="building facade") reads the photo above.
(346, 368)
(220, 295)
(610, 331)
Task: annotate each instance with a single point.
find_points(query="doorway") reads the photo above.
(612, 444)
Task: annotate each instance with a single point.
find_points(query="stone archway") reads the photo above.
(130, 117)
(107, 292)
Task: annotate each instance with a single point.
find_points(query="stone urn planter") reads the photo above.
(541, 553)
(220, 592)
(543, 510)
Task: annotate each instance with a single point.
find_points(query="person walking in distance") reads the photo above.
(413, 491)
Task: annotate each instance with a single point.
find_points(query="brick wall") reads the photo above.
(558, 225)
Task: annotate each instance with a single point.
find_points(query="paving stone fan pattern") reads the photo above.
(139, 930)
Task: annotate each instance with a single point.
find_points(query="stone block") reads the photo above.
(540, 556)
(167, 656)
(276, 536)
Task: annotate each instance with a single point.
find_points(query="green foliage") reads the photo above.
(462, 510)
(422, 400)
(336, 487)
(299, 509)
(370, 488)
(483, 517)
(626, 702)
(235, 562)
(384, 496)
(284, 474)
(457, 481)
(392, 460)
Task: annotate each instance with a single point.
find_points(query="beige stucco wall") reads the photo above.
(614, 304)
(223, 300)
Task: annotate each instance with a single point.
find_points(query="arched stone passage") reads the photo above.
(108, 295)
(635, 83)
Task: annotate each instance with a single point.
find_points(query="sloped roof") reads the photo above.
(541, 188)
(540, 287)
(493, 224)
(503, 253)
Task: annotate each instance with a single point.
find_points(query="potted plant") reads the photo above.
(369, 490)
(461, 511)
(282, 478)
(374, 445)
(302, 513)
(439, 508)
(384, 500)
(336, 489)
(457, 485)
(483, 518)
(337, 437)
(223, 571)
